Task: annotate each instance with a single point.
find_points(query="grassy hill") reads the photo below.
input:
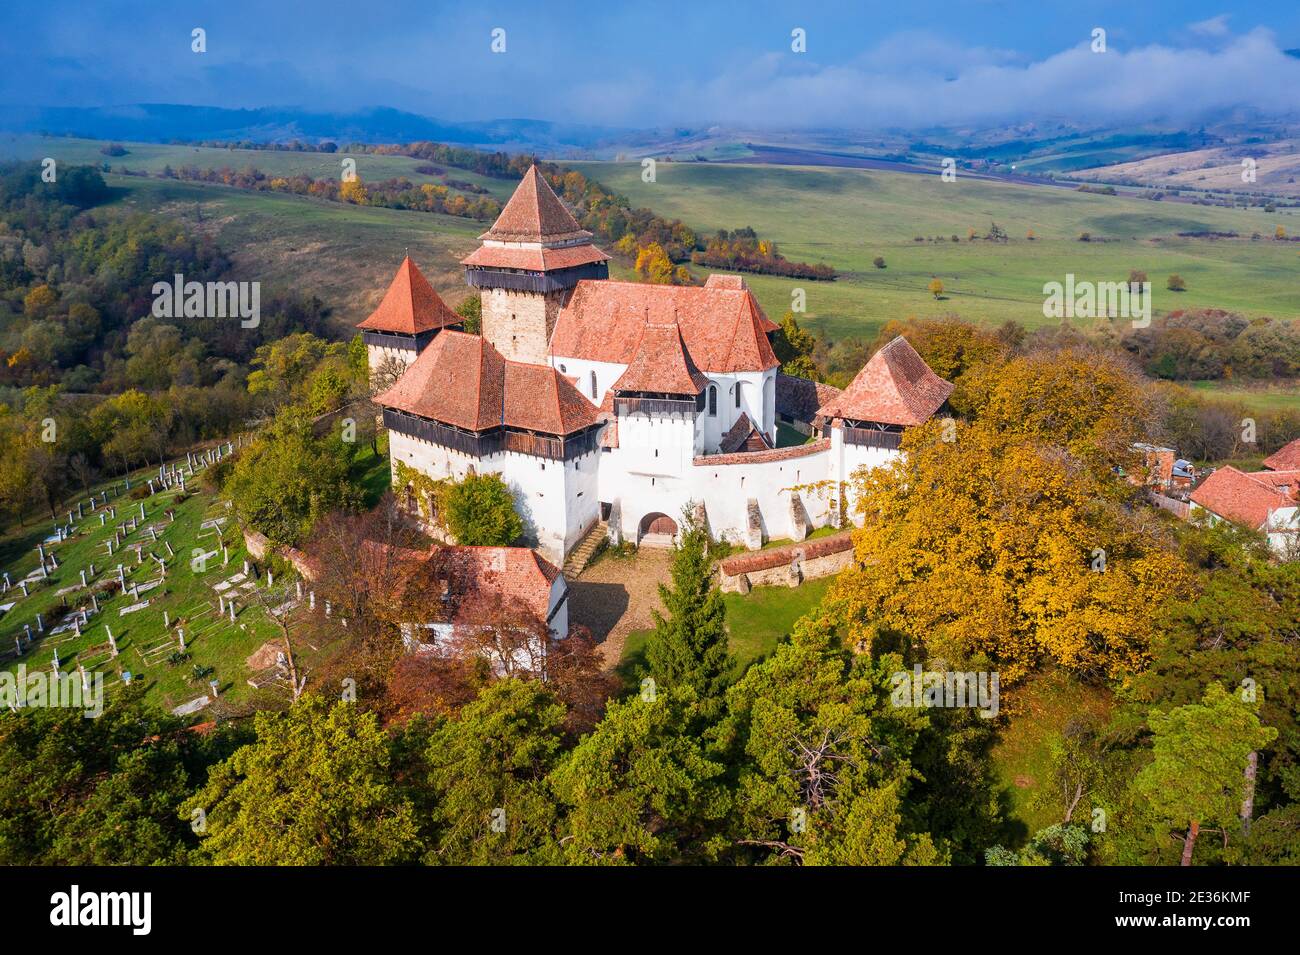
(847, 217)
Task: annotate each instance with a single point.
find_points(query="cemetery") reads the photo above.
(147, 579)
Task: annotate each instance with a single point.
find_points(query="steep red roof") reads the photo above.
(410, 305)
(743, 436)
(535, 214)
(539, 398)
(534, 260)
(722, 328)
(719, 280)
(461, 380)
(1240, 497)
(1286, 458)
(895, 387)
(799, 398)
(661, 364)
(515, 574)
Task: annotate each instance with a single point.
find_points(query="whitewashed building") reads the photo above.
(610, 406)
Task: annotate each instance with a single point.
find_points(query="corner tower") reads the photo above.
(409, 316)
(530, 260)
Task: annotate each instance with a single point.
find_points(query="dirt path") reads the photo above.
(614, 596)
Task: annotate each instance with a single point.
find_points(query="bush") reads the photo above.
(1176, 283)
(481, 512)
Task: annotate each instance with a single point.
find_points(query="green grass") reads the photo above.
(154, 157)
(1270, 396)
(1039, 712)
(846, 217)
(342, 253)
(756, 623)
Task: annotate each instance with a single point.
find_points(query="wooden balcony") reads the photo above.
(873, 438)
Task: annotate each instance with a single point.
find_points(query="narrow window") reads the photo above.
(593, 384)
(737, 394)
(713, 401)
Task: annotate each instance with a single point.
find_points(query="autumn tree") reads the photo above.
(653, 264)
(998, 545)
(936, 288)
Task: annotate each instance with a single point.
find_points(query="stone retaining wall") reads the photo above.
(788, 565)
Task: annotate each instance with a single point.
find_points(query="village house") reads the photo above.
(1265, 501)
(608, 407)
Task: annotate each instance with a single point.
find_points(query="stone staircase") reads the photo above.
(585, 549)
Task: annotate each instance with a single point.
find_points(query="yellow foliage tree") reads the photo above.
(1003, 551)
(936, 288)
(653, 264)
(353, 191)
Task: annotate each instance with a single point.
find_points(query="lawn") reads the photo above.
(846, 217)
(1038, 713)
(756, 623)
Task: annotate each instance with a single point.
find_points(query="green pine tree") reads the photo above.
(689, 646)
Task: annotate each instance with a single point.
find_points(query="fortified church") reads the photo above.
(609, 407)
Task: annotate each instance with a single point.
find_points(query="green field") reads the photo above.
(1271, 396)
(756, 623)
(154, 157)
(344, 254)
(846, 217)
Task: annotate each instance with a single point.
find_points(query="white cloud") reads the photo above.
(914, 82)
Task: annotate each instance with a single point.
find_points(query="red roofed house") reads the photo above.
(623, 402)
(1264, 501)
(1286, 458)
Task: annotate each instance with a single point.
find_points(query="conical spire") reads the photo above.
(410, 305)
(535, 214)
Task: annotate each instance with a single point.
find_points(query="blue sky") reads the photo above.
(666, 62)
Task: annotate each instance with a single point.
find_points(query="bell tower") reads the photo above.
(530, 260)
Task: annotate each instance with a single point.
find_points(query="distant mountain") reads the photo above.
(162, 122)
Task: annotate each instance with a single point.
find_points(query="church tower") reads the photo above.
(530, 260)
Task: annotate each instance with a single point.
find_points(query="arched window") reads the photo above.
(738, 384)
(593, 385)
(713, 401)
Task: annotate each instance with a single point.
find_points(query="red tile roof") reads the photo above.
(512, 574)
(533, 260)
(799, 398)
(1286, 458)
(410, 305)
(661, 364)
(786, 553)
(895, 387)
(737, 283)
(472, 574)
(762, 457)
(1240, 497)
(535, 214)
(461, 380)
(723, 328)
(743, 436)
